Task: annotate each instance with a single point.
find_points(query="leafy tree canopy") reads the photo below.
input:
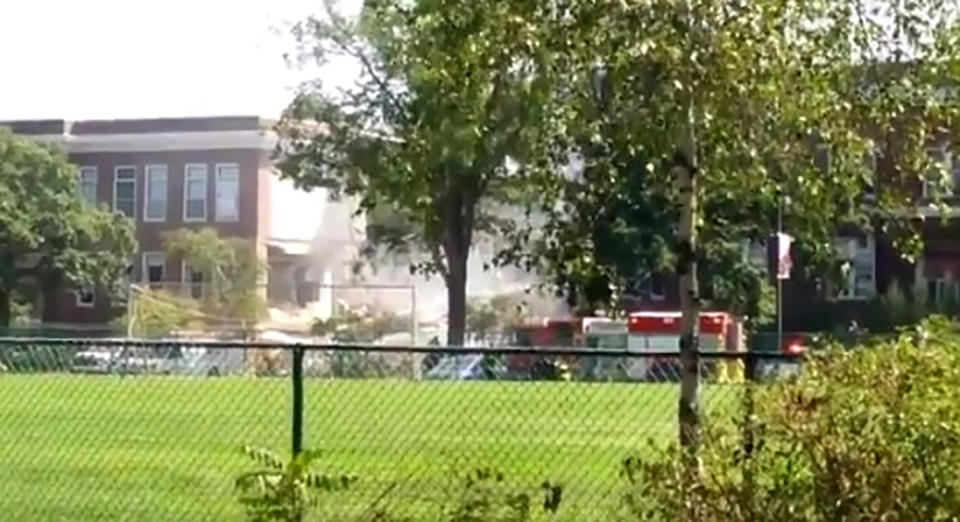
(232, 274)
(451, 97)
(47, 231)
(784, 101)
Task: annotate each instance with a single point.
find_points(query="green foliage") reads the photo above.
(36, 358)
(159, 312)
(47, 231)
(488, 318)
(486, 496)
(22, 308)
(284, 491)
(863, 434)
(482, 320)
(233, 274)
(895, 309)
(449, 93)
(764, 88)
(353, 325)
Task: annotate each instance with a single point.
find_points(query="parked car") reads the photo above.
(466, 367)
(203, 361)
(94, 360)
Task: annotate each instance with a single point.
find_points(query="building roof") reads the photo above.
(151, 134)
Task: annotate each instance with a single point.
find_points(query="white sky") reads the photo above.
(79, 59)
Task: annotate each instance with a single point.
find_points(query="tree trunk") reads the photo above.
(4, 309)
(457, 238)
(685, 170)
(456, 297)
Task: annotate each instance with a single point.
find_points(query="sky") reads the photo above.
(84, 59)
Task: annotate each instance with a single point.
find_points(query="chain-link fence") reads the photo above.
(124, 430)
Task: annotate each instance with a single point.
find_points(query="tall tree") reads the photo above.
(689, 120)
(47, 231)
(450, 100)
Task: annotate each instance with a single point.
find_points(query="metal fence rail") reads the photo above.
(94, 429)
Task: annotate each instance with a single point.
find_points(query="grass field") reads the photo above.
(84, 448)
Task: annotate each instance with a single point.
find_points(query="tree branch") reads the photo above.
(437, 256)
(335, 21)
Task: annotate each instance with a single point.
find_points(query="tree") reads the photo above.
(159, 312)
(361, 325)
(690, 122)
(232, 274)
(450, 101)
(47, 231)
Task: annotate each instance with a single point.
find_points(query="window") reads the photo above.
(755, 253)
(154, 268)
(870, 163)
(193, 280)
(125, 190)
(228, 193)
(85, 298)
(88, 184)
(942, 291)
(155, 193)
(939, 167)
(195, 193)
(954, 171)
(860, 258)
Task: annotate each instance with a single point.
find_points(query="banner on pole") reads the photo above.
(784, 263)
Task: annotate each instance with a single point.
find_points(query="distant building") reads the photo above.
(165, 174)
(874, 265)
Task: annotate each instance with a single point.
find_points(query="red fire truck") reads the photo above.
(643, 332)
(653, 332)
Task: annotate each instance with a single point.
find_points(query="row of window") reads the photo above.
(860, 257)
(156, 191)
(155, 272)
(154, 275)
(941, 160)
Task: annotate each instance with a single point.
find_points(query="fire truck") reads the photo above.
(659, 332)
(547, 333)
(648, 333)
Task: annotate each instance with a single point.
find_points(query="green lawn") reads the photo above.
(165, 448)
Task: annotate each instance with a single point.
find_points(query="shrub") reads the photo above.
(871, 433)
(486, 496)
(281, 491)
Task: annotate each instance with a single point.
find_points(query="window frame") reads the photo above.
(873, 156)
(117, 181)
(82, 172)
(850, 247)
(147, 255)
(946, 159)
(146, 193)
(187, 282)
(80, 303)
(218, 170)
(186, 192)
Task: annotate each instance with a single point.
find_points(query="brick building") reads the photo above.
(165, 174)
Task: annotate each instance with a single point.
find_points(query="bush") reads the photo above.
(486, 496)
(283, 491)
(871, 433)
(36, 358)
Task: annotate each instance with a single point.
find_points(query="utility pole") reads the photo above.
(778, 275)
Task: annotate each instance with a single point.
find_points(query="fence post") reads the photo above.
(749, 408)
(297, 400)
